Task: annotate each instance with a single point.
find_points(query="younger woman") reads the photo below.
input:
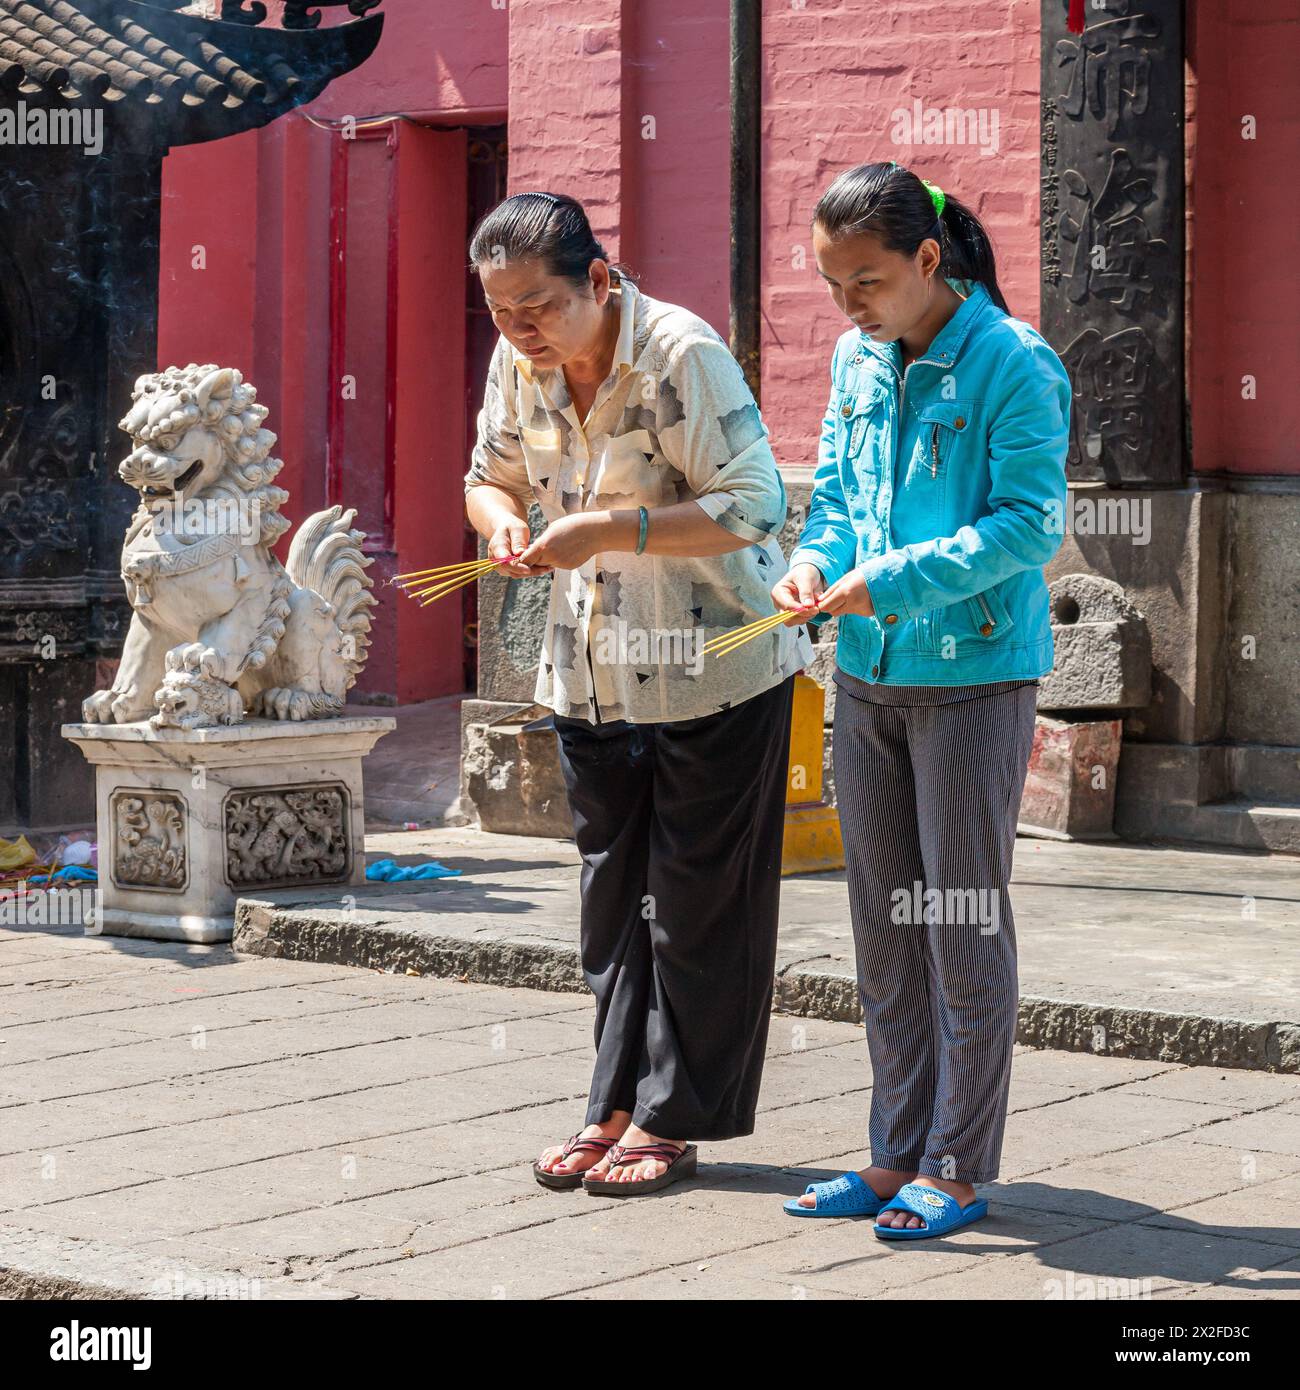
(938, 493)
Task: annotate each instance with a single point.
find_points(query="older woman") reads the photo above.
(629, 424)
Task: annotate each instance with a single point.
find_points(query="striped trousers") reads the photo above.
(928, 781)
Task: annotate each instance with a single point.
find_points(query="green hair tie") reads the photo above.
(937, 197)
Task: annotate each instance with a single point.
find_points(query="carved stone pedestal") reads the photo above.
(190, 821)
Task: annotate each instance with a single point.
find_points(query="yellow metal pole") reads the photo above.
(812, 841)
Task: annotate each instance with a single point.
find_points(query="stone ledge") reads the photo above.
(366, 940)
(806, 988)
(42, 1265)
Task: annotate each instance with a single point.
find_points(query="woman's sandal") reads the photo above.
(847, 1195)
(941, 1213)
(681, 1164)
(574, 1145)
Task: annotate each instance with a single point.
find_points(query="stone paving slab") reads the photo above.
(346, 1134)
(1172, 954)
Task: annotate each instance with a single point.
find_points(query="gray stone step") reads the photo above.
(1147, 953)
(1242, 824)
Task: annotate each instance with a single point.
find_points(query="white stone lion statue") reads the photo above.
(219, 626)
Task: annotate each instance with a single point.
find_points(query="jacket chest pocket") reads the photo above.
(943, 425)
(544, 460)
(859, 415)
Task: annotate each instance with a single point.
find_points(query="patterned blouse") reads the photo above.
(674, 421)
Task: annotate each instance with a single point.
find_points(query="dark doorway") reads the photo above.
(487, 187)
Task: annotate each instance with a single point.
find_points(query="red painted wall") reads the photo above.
(834, 75)
(428, 373)
(260, 206)
(567, 132)
(677, 181)
(209, 257)
(625, 106)
(443, 59)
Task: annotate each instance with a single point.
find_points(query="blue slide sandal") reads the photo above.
(941, 1213)
(847, 1195)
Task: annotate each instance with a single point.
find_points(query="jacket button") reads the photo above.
(875, 670)
(846, 411)
(891, 618)
(986, 628)
(960, 422)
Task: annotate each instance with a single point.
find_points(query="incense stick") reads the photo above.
(446, 570)
(428, 585)
(434, 581)
(740, 634)
(729, 641)
(440, 590)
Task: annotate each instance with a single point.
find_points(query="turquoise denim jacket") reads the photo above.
(945, 485)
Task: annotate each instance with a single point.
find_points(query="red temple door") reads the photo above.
(397, 383)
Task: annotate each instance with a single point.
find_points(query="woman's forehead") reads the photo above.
(855, 253)
(513, 282)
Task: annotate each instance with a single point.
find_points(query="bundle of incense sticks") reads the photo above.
(427, 585)
(729, 641)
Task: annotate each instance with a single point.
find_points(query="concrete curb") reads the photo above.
(42, 1265)
(326, 936)
(330, 937)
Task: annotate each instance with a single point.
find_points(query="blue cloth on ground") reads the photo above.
(387, 871)
(67, 873)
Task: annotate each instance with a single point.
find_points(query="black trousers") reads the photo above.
(679, 826)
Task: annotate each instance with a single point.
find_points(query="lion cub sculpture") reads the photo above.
(219, 626)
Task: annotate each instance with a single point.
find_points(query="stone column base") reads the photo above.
(1243, 796)
(159, 926)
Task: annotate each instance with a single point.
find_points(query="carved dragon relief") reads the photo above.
(287, 835)
(149, 839)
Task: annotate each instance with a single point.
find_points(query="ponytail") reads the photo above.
(967, 250)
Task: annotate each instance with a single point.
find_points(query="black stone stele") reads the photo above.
(92, 95)
(1112, 234)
